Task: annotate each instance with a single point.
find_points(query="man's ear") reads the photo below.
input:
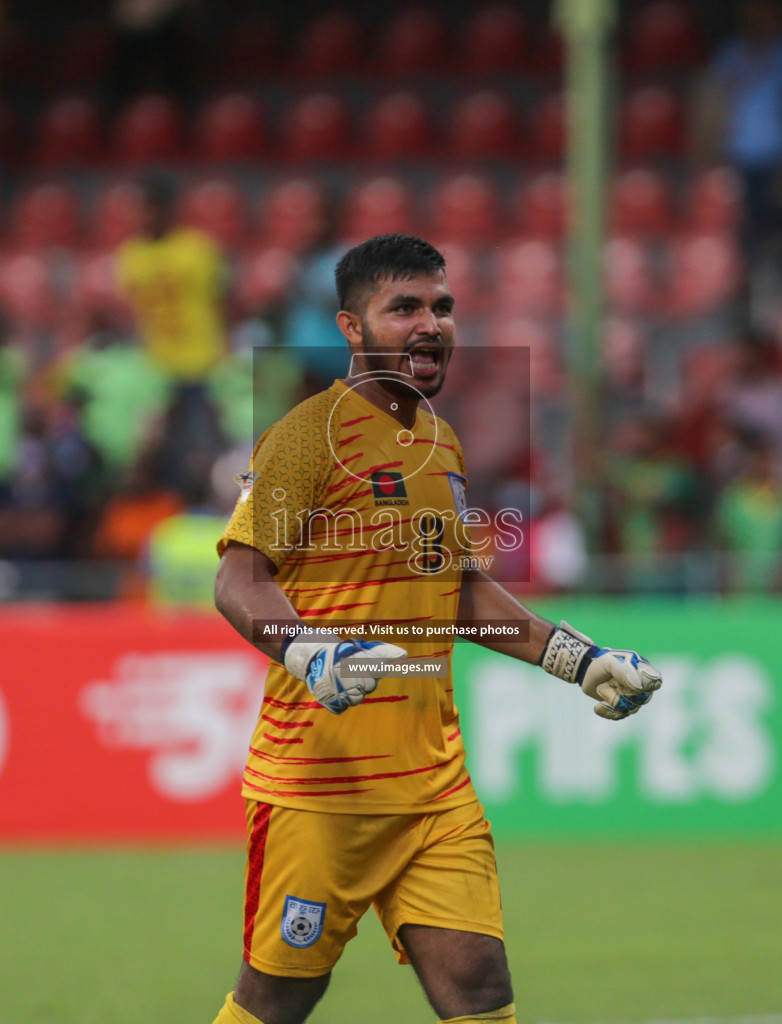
(350, 325)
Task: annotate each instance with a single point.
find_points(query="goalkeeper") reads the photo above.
(356, 789)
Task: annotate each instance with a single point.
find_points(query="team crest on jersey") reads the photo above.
(245, 481)
(389, 488)
(459, 488)
(302, 922)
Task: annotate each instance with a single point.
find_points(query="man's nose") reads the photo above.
(428, 324)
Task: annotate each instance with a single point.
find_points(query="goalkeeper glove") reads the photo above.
(621, 681)
(319, 662)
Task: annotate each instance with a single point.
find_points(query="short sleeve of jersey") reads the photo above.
(289, 473)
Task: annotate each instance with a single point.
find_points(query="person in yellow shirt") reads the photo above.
(173, 277)
(347, 561)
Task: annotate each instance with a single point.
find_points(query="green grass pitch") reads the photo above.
(597, 933)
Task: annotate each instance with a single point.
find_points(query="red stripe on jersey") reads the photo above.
(455, 789)
(359, 419)
(255, 858)
(298, 705)
(438, 444)
(320, 592)
(393, 699)
(277, 739)
(448, 593)
(323, 792)
(327, 780)
(284, 725)
(349, 440)
(350, 458)
(289, 759)
(453, 735)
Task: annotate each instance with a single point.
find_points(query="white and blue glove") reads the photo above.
(320, 662)
(621, 681)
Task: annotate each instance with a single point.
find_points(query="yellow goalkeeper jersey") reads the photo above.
(364, 522)
(175, 286)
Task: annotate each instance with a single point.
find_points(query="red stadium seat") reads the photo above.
(714, 201)
(46, 216)
(623, 352)
(662, 36)
(413, 43)
(217, 207)
(26, 291)
(69, 133)
(293, 214)
(149, 131)
(651, 124)
(94, 285)
(629, 282)
(641, 204)
(85, 57)
(705, 272)
(464, 279)
(231, 128)
(465, 209)
(264, 276)
(116, 215)
(398, 126)
(484, 127)
(330, 44)
(249, 48)
(515, 331)
(547, 128)
(377, 207)
(528, 279)
(542, 205)
(316, 128)
(493, 39)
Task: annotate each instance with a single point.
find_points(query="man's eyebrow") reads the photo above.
(415, 300)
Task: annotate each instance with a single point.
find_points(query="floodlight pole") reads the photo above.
(586, 26)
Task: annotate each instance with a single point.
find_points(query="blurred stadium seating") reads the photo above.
(302, 134)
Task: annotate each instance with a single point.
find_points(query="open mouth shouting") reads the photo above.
(426, 360)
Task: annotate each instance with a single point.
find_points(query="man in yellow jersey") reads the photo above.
(173, 277)
(350, 523)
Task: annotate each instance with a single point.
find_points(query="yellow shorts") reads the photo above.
(311, 876)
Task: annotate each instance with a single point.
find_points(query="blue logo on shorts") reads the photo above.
(302, 922)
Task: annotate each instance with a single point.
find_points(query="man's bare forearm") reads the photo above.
(247, 595)
(482, 598)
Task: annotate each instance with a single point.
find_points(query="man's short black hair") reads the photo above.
(383, 257)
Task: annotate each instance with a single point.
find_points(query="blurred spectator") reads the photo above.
(120, 389)
(745, 92)
(139, 504)
(748, 519)
(174, 277)
(13, 370)
(657, 501)
(48, 506)
(751, 397)
(311, 322)
(182, 551)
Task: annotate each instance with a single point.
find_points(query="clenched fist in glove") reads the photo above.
(621, 681)
(321, 661)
